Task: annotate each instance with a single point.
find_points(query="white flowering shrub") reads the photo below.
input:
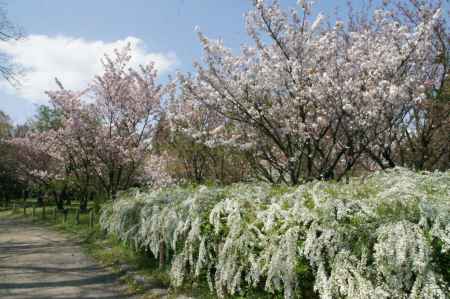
(383, 236)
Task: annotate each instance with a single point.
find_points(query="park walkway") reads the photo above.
(41, 264)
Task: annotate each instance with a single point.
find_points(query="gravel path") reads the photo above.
(41, 264)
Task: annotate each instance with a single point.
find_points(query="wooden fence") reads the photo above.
(51, 213)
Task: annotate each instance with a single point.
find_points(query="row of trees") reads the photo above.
(309, 99)
(93, 141)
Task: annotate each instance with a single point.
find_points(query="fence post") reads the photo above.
(24, 204)
(14, 207)
(43, 212)
(91, 219)
(33, 213)
(55, 214)
(77, 217)
(65, 212)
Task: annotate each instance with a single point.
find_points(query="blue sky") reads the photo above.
(66, 37)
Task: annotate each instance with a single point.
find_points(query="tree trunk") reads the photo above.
(83, 204)
(58, 201)
(40, 200)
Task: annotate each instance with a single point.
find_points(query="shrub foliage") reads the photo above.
(386, 235)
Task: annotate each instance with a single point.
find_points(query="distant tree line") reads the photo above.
(306, 100)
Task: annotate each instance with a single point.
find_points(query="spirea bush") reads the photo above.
(386, 235)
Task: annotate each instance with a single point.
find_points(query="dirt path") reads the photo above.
(41, 264)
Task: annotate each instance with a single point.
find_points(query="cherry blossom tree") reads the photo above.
(309, 99)
(37, 163)
(106, 128)
(186, 133)
(10, 184)
(421, 141)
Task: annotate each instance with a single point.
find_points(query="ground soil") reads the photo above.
(39, 263)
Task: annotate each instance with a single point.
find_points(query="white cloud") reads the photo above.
(75, 61)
